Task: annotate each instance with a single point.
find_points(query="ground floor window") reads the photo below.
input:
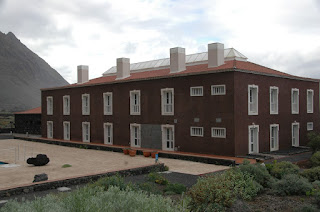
(295, 134)
(274, 137)
(167, 137)
(196, 131)
(135, 131)
(218, 132)
(108, 133)
(66, 130)
(49, 129)
(253, 139)
(86, 131)
(310, 126)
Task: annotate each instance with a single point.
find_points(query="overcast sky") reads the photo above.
(280, 34)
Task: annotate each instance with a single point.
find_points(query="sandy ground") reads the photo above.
(83, 161)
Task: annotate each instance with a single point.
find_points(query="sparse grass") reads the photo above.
(5, 120)
(66, 166)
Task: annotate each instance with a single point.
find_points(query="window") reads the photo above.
(274, 137)
(167, 137)
(85, 104)
(196, 131)
(253, 139)
(167, 101)
(49, 105)
(274, 92)
(107, 103)
(135, 130)
(66, 130)
(135, 102)
(218, 90)
(196, 91)
(295, 101)
(49, 129)
(217, 132)
(108, 133)
(86, 131)
(310, 126)
(253, 99)
(295, 134)
(309, 101)
(66, 105)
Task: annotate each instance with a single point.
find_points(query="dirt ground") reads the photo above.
(83, 161)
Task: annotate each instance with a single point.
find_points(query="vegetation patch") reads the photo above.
(157, 178)
(315, 159)
(292, 184)
(312, 174)
(259, 173)
(66, 166)
(280, 169)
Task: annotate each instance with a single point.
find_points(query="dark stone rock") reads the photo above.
(40, 160)
(40, 177)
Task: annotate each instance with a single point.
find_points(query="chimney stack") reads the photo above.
(215, 54)
(123, 68)
(83, 74)
(177, 60)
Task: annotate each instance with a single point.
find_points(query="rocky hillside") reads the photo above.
(22, 75)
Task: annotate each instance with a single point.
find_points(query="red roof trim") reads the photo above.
(31, 111)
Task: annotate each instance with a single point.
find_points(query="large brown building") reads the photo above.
(214, 102)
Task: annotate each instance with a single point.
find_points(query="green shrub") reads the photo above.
(312, 174)
(259, 173)
(306, 208)
(316, 184)
(149, 187)
(315, 159)
(176, 188)
(314, 141)
(317, 198)
(221, 190)
(166, 168)
(157, 178)
(106, 182)
(279, 170)
(292, 184)
(66, 166)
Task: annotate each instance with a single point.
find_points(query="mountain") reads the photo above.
(22, 75)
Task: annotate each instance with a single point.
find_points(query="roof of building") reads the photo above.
(36, 110)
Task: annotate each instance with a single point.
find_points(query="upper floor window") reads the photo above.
(85, 104)
(309, 101)
(217, 132)
(295, 101)
(49, 105)
(218, 90)
(66, 105)
(253, 99)
(135, 131)
(196, 91)
(135, 102)
(167, 101)
(49, 129)
(196, 131)
(107, 103)
(274, 92)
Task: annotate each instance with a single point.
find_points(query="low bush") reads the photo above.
(259, 173)
(221, 190)
(292, 184)
(280, 169)
(315, 159)
(106, 182)
(157, 178)
(66, 166)
(314, 141)
(312, 174)
(149, 187)
(176, 188)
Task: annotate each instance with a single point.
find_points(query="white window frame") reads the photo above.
(310, 110)
(164, 112)
(105, 133)
(165, 139)
(49, 105)
(293, 109)
(276, 143)
(249, 136)
(107, 109)
(297, 124)
(66, 105)
(135, 105)
(66, 136)
(194, 129)
(84, 139)
(194, 91)
(215, 88)
(309, 126)
(214, 135)
(253, 112)
(133, 137)
(49, 129)
(276, 103)
(85, 110)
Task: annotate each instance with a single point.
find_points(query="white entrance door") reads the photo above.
(274, 137)
(168, 137)
(295, 134)
(253, 139)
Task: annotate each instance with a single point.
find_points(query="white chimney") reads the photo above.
(83, 74)
(123, 68)
(215, 54)
(177, 59)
